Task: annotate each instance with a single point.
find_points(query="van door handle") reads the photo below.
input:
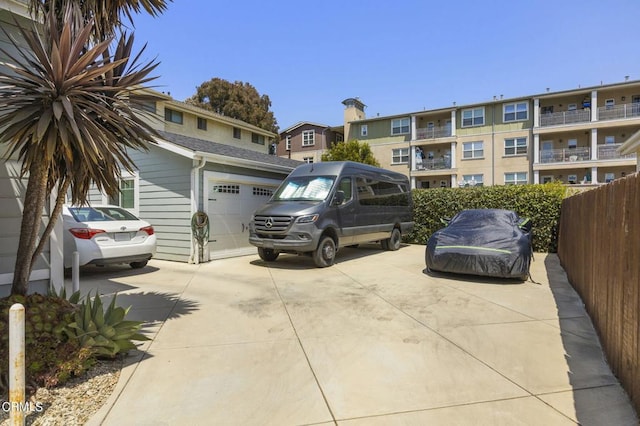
(243, 227)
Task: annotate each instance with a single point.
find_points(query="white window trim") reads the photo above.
(401, 155)
(515, 180)
(515, 112)
(313, 138)
(364, 130)
(472, 117)
(401, 120)
(287, 143)
(516, 146)
(124, 174)
(472, 151)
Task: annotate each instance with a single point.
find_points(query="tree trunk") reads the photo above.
(34, 202)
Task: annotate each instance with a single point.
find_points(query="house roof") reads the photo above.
(303, 123)
(631, 145)
(219, 152)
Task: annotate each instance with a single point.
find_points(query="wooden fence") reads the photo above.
(599, 248)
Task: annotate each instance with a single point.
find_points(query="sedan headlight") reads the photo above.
(308, 219)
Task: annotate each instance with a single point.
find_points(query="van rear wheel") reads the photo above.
(268, 255)
(325, 254)
(392, 243)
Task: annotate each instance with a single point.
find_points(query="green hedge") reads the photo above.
(540, 203)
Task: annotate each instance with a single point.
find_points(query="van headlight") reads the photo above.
(308, 219)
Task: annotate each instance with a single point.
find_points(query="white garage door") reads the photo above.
(230, 207)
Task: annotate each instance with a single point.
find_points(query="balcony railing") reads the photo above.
(434, 164)
(433, 132)
(568, 155)
(565, 117)
(618, 112)
(610, 152)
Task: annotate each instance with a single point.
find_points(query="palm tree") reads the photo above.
(68, 115)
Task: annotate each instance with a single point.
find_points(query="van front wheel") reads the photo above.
(392, 243)
(325, 254)
(268, 255)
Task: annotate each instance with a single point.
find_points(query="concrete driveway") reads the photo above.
(372, 340)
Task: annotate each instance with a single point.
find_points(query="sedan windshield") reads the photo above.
(305, 188)
(100, 214)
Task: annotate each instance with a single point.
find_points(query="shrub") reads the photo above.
(540, 203)
(50, 356)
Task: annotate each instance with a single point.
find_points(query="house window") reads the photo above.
(172, 116)
(202, 123)
(308, 137)
(237, 134)
(609, 140)
(364, 130)
(472, 180)
(339, 137)
(400, 156)
(399, 126)
(472, 150)
(126, 197)
(572, 143)
(609, 103)
(515, 146)
(517, 178)
(516, 112)
(287, 143)
(256, 138)
(473, 117)
(307, 160)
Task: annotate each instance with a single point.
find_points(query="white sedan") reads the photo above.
(104, 235)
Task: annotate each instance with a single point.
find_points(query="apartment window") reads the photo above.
(126, 197)
(364, 130)
(400, 156)
(472, 150)
(515, 146)
(472, 180)
(256, 138)
(572, 107)
(609, 103)
(308, 160)
(517, 178)
(399, 126)
(608, 140)
(172, 116)
(473, 117)
(237, 133)
(572, 179)
(287, 143)
(516, 112)
(308, 137)
(547, 179)
(148, 106)
(202, 123)
(572, 143)
(609, 177)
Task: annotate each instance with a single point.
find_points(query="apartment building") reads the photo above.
(306, 141)
(571, 136)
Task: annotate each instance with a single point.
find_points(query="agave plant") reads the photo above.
(106, 333)
(67, 117)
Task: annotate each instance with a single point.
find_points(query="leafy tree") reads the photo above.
(351, 151)
(67, 116)
(236, 100)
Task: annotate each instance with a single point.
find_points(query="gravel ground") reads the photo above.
(74, 402)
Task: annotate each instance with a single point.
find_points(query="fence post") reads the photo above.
(75, 272)
(16, 365)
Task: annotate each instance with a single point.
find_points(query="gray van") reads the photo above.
(324, 206)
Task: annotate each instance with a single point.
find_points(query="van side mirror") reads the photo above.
(338, 198)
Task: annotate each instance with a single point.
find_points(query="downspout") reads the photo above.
(195, 193)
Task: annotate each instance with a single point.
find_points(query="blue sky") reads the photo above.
(396, 56)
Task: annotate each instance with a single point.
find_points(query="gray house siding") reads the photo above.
(165, 200)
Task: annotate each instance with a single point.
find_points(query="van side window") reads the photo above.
(345, 186)
(374, 192)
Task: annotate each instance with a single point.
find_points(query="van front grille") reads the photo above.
(272, 223)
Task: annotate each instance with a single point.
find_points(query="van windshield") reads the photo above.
(305, 188)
